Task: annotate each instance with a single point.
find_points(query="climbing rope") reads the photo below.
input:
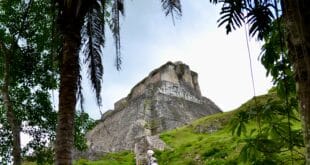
(252, 74)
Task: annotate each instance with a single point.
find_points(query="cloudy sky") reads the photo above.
(149, 39)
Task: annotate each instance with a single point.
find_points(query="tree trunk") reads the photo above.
(13, 122)
(297, 21)
(69, 73)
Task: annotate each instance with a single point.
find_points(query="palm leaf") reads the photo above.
(93, 38)
(79, 93)
(238, 123)
(232, 14)
(171, 7)
(117, 8)
(260, 18)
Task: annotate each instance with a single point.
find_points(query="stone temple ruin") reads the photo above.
(168, 98)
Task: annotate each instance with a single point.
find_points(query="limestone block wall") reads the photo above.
(175, 73)
(168, 98)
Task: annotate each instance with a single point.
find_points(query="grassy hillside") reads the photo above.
(209, 140)
(121, 158)
(205, 140)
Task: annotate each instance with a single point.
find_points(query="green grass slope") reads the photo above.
(206, 141)
(209, 140)
(120, 158)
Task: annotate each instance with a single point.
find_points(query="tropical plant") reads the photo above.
(259, 16)
(81, 24)
(278, 114)
(274, 135)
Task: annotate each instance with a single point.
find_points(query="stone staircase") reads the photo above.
(147, 143)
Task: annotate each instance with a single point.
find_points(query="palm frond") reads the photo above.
(93, 41)
(117, 8)
(79, 93)
(260, 18)
(171, 7)
(232, 14)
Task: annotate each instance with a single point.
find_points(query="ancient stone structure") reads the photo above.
(168, 98)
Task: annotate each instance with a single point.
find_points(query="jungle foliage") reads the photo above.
(29, 50)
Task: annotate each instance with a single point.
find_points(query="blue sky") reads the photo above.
(149, 39)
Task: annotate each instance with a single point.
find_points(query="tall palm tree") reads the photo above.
(259, 15)
(82, 22)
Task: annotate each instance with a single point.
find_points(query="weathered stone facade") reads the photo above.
(168, 98)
